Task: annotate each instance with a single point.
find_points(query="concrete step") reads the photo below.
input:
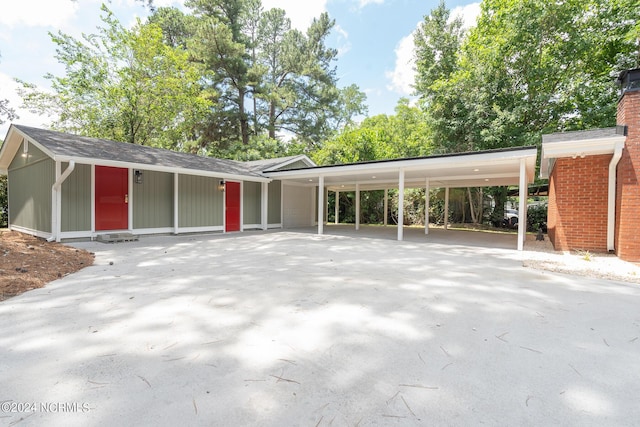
(116, 238)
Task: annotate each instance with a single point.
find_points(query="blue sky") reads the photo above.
(372, 36)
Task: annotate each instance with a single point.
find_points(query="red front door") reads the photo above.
(232, 201)
(112, 199)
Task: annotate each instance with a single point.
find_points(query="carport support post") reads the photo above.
(176, 201)
(321, 205)
(522, 205)
(337, 207)
(426, 207)
(401, 204)
(264, 206)
(357, 207)
(386, 204)
(446, 208)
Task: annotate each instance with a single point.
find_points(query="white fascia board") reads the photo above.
(409, 164)
(10, 147)
(586, 147)
(156, 168)
(577, 148)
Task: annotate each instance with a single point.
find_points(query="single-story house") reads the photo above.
(64, 186)
(594, 187)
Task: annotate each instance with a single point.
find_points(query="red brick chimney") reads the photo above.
(627, 233)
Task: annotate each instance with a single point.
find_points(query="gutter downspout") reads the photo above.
(55, 207)
(611, 196)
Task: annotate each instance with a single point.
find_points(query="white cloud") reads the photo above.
(469, 14)
(403, 75)
(38, 13)
(27, 118)
(364, 3)
(300, 12)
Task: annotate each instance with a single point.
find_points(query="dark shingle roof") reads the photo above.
(69, 145)
(268, 164)
(581, 135)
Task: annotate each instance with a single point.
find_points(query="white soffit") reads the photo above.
(481, 169)
(576, 148)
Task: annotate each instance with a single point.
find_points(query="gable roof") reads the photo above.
(64, 147)
(275, 164)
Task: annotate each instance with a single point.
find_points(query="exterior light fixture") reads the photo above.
(137, 176)
(373, 177)
(222, 186)
(476, 170)
(486, 180)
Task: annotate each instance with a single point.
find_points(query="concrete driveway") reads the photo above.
(289, 328)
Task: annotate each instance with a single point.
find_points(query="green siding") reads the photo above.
(30, 181)
(200, 202)
(251, 196)
(273, 204)
(295, 165)
(76, 199)
(153, 200)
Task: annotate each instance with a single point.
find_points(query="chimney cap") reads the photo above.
(629, 80)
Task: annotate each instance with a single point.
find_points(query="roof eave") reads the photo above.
(574, 149)
(407, 164)
(159, 168)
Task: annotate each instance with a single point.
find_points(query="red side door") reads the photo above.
(232, 201)
(112, 199)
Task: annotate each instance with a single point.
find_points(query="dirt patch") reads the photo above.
(28, 262)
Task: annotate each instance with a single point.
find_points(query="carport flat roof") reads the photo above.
(470, 169)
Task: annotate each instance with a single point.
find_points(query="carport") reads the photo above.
(501, 167)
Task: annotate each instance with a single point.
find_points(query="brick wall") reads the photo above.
(627, 235)
(577, 214)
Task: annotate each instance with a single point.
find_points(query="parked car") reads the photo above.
(510, 218)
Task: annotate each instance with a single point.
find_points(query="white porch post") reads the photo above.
(56, 208)
(357, 207)
(522, 205)
(426, 207)
(337, 207)
(386, 204)
(176, 201)
(326, 205)
(401, 205)
(264, 205)
(446, 208)
(321, 205)
(93, 200)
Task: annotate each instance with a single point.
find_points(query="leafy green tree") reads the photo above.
(125, 85)
(437, 43)
(404, 134)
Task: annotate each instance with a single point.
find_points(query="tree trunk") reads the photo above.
(244, 121)
(272, 120)
(474, 218)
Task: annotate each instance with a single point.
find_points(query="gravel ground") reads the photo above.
(541, 256)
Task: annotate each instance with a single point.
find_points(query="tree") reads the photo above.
(125, 85)
(404, 134)
(437, 42)
(6, 112)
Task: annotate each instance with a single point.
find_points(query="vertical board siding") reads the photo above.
(251, 195)
(273, 216)
(153, 200)
(298, 206)
(200, 203)
(30, 179)
(76, 199)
